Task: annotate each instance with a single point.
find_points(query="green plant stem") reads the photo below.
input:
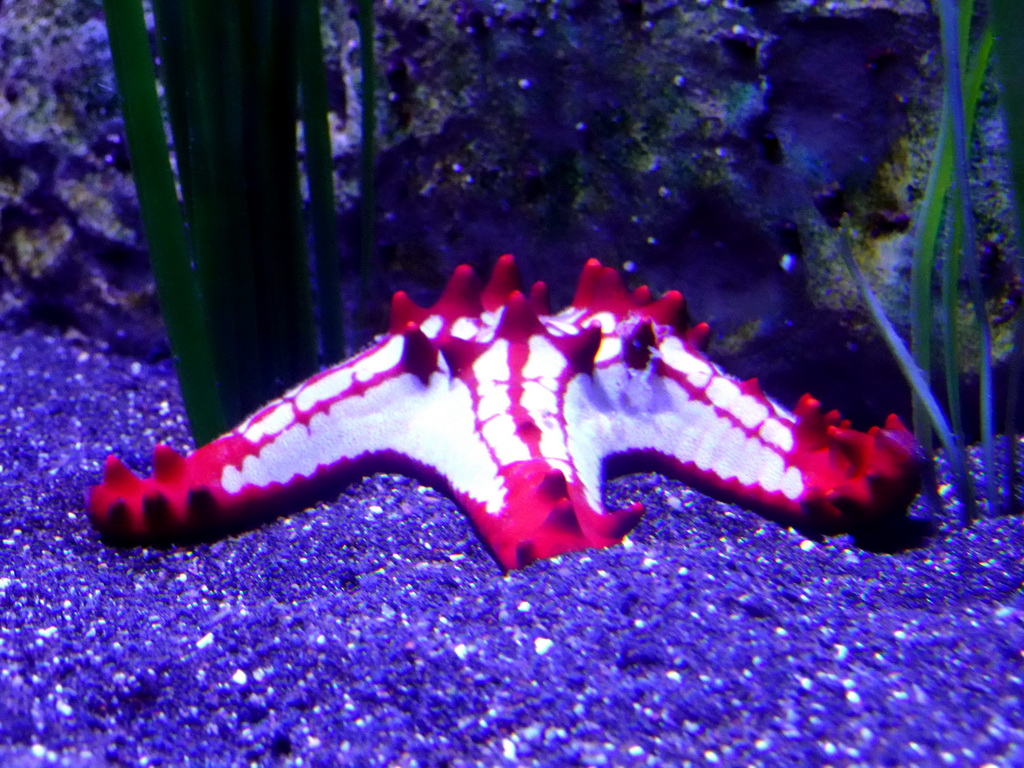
(184, 315)
(950, 28)
(284, 321)
(231, 258)
(950, 327)
(1013, 379)
(219, 221)
(929, 224)
(320, 173)
(1008, 24)
(914, 376)
(368, 155)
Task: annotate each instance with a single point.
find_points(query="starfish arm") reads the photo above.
(381, 411)
(550, 507)
(683, 416)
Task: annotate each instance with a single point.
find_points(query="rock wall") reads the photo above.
(705, 146)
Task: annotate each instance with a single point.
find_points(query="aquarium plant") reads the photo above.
(221, 194)
(946, 241)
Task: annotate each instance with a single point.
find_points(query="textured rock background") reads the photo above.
(700, 145)
(71, 248)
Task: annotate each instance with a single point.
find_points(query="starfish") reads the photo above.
(519, 415)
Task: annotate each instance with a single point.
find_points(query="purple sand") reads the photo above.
(377, 630)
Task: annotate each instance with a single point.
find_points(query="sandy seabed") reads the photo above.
(377, 630)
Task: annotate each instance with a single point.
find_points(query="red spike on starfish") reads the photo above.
(670, 310)
(169, 466)
(517, 414)
(610, 294)
(642, 296)
(419, 355)
(539, 299)
(698, 336)
(589, 278)
(404, 311)
(461, 297)
(117, 475)
(504, 281)
(751, 387)
(518, 322)
(638, 345)
(580, 351)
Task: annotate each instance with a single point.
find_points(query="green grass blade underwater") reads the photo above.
(1008, 24)
(949, 179)
(231, 257)
(319, 166)
(951, 34)
(916, 378)
(368, 150)
(162, 220)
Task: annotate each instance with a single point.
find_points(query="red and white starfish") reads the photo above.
(519, 415)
